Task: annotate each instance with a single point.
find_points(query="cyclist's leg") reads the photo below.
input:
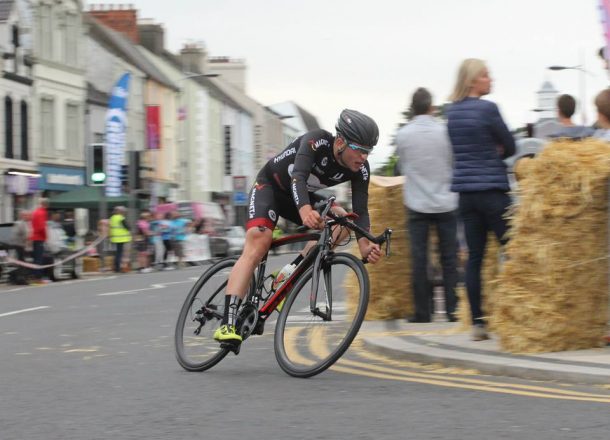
(261, 221)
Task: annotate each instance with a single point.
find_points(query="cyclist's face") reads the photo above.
(353, 158)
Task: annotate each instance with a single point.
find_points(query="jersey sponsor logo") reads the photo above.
(324, 161)
(295, 194)
(251, 209)
(318, 170)
(272, 215)
(365, 173)
(317, 144)
(285, 154)
(337, 177)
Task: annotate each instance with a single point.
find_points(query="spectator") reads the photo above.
(481, 141)
(56, 236)
(566, 105)
(39, 236)
(21, 233)
(157, 243)
(165, 230)
(179, 227)
(426, 159)
(119, 235)
(602, 103)
(69, 228)
(143, 242)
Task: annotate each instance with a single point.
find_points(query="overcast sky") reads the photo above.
(370, 55)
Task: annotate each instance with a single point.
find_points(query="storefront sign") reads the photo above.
(21, 185)
(56, 178)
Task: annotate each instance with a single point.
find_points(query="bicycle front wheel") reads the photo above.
(307, 344)
(200, 316)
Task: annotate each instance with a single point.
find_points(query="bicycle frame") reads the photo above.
(315, 257)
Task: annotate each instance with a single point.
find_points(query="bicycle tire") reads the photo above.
(199, 351)
(300, 349)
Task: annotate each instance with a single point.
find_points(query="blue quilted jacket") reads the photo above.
(480, 142)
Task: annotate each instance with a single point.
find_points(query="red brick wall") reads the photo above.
(124, 21)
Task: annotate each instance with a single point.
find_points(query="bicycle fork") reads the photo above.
(326, 315)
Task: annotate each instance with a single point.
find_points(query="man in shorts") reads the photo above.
(285, 187)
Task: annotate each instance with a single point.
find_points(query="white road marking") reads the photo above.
(23, 311)
(155, 286)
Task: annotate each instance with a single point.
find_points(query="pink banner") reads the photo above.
(153, 127)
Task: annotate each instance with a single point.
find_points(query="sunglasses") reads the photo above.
(357, 147)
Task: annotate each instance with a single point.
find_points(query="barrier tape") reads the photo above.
(83, 251)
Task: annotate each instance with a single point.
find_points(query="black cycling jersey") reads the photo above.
(305, 166)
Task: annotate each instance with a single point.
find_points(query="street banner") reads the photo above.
(116, 127)
(153, 127)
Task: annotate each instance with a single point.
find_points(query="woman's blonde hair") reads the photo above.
(469, 70)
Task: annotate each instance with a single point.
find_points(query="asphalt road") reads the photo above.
(94, 359)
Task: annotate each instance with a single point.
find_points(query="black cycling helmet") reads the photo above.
(358, 128)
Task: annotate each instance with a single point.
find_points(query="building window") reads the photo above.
(24, 131)
(227, 145)
(72, 130)
(47, 132)
(46, 32)
(8, 126)
(71, 40)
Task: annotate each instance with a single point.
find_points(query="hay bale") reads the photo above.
(552, 293)
(390, 291)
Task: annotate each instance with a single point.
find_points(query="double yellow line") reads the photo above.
(400, 371)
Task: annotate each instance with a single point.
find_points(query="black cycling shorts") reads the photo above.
(268, 203)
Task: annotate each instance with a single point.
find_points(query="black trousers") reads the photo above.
(118, 256)
(446, 229)
(38, 256)
(481, 212)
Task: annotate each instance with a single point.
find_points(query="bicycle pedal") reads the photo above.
(231, 346)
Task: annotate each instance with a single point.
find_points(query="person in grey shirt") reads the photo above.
(566, 106)
(426, 159)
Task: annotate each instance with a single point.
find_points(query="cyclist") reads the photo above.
(285, 187)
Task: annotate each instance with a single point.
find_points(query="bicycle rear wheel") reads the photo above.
(306, 344)
(200, 316)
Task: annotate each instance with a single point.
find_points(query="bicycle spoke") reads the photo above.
(306, 343)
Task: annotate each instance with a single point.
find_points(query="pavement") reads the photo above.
(450, 345)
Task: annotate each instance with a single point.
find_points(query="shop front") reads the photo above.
(56, 179)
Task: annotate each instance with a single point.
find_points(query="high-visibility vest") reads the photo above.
(118, 233)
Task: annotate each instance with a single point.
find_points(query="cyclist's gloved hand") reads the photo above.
(369, 251)
(311, 218)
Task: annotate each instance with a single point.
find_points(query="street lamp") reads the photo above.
(581, 76)
(186, 190)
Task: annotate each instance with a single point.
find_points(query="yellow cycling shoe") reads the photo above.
(227, 333)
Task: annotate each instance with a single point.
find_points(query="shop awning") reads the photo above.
(86, 197)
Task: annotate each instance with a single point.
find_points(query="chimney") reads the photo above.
(121, 18)
(194, 58)
(152, 36)
(232, 70)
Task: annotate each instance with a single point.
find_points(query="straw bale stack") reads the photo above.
(552, 293)
(390, 292)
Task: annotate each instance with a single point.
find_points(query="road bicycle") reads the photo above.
(323, 303)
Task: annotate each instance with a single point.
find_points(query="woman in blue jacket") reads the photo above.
(481, 141)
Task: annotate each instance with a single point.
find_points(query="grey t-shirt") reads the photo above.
(426, 160)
